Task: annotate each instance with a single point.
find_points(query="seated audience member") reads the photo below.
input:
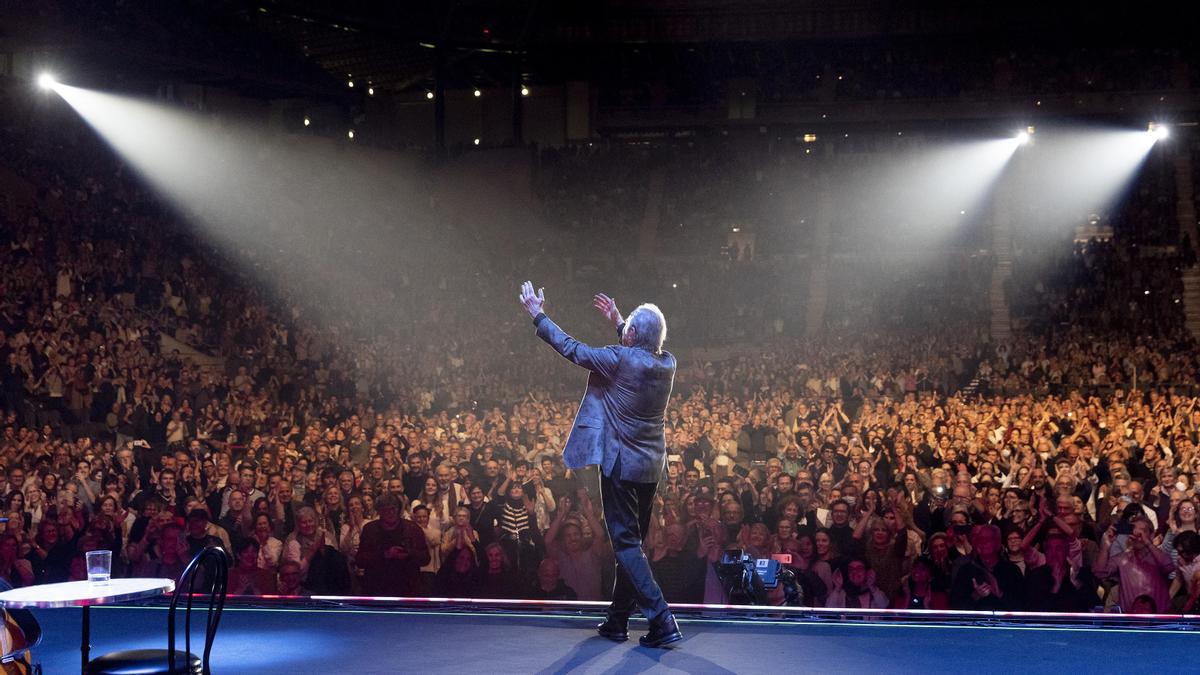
(14, 570)
(854, 587)
(549, 585)
(459, 575)
(917, 590)
(291, 579)
(497, 579)
(245, 576)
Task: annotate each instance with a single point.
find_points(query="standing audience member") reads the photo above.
(392, 552)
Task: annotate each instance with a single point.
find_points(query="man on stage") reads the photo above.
(619, 427)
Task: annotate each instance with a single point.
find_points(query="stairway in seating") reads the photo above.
(1185, 214)
(818, 297)
(648, 231)
(1002, 245)
(1001, 317)
(1191, 300)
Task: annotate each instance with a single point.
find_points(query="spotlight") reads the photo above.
(350, 134)
(476, 141)
(478, 93)
(1023, 137)
(307, 122)
(46, 81)
(350, 83)
(370, 91)
(1158, 131)
(524, 91)
(429, 95)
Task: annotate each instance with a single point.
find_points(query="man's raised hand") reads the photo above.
(607, 307)
(533, 302)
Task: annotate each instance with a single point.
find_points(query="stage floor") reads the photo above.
(312, 640)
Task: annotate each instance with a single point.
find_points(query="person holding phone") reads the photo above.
(1142, 568)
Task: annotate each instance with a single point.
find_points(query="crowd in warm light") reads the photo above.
(901, 457)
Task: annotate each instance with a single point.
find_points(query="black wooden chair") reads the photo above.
(212, 567)
(31, 633)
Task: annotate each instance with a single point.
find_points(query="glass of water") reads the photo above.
(99, 566)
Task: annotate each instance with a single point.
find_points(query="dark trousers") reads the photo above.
(627, 507)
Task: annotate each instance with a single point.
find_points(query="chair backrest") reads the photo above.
(211, 565)
(19, 630)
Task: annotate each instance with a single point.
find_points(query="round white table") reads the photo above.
(85, 594)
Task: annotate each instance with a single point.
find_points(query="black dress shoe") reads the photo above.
(662, 634)
(613, 629)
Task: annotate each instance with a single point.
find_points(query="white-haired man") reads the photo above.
(619, 427)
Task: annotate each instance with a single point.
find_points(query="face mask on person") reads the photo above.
(850, 500)
(1181, 486)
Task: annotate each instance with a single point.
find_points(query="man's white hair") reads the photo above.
(650, 327)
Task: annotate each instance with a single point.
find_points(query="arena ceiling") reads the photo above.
(313, 47)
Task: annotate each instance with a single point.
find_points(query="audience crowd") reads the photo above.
(898, 457)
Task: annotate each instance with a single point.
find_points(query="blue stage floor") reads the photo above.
(372, 641)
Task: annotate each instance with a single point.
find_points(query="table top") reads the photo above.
(85, 593)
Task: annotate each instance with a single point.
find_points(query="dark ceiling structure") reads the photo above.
(313, 48)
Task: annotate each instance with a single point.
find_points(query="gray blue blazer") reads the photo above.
(621, 414)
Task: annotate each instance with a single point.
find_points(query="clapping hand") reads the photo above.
(607, 307)
(533, 302)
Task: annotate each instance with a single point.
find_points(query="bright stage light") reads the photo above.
(429, 95)
(307, 122)
(478, 93)
(1084, 170)
(350, 134)
(370, 91)
(46, 81)
(1158, 131)
(1023, 137)
(524, 91)
(476, 141)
